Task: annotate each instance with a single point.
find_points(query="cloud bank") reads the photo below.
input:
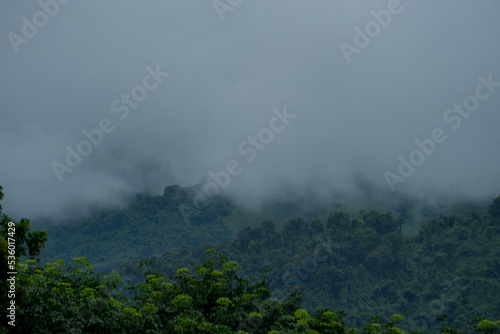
(359, 108)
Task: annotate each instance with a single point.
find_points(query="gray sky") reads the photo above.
(353, 119)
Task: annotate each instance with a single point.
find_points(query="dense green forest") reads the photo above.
(364, 265)
(330, 272)
(150, 225)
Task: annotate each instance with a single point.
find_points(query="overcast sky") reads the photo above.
(355, 112)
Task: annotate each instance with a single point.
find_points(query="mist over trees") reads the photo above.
(239, 166)
(348, 272)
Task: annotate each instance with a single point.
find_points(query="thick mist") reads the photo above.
(288, 98)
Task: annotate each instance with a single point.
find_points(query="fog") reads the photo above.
(355, 103)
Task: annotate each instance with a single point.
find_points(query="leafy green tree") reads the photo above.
(446, 328)
(16, 242)
(69, 299)
(487, 327)
(374, 326)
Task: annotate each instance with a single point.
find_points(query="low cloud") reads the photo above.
(225, 78)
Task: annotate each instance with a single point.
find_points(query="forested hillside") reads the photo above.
(364, 265)
(150, 225)
(312, 275)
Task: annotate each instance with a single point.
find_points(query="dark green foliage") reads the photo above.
(148, 226)
(215, 299)
(16, 241)
(73, 299)
(495, 209)
(451, 266)
(69, 299)
(361, 264)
